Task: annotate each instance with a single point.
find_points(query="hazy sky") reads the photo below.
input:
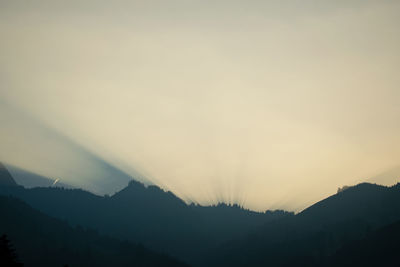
(272, 104)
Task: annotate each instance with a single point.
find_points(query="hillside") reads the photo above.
(378, 248)
(149, 215)
(312, 236)
(44, 241)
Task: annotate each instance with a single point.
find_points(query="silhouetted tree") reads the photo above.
(8, 256)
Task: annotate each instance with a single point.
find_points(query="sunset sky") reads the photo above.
(269, 104)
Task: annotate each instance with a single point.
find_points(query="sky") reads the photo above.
(269, 104)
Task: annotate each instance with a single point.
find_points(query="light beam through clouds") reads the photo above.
(29, 144)
(273, 104)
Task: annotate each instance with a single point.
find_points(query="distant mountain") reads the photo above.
(29, 179)
(5, 177)
(314, 235)
(40, 240)
(147, 214)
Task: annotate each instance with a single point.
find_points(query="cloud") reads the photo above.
(268, 103)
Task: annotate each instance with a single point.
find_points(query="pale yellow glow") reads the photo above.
(265, 103)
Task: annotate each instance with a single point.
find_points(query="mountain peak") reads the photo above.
(134, 183)
(152, 194)
(5, 177)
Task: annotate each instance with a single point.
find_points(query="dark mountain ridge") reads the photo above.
(224, 235)
(44, 241)
(312, 236)
(149, 215)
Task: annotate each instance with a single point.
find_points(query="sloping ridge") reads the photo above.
(138, 193)
(5, 177)
(41, 240)
(375, 203)
(308, 238)
(147, 214)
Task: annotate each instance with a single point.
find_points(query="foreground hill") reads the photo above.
(378, 248)
(44, 241)
(149, 215)
(313, 236)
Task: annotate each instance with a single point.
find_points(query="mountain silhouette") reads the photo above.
(224, 235)
(314, 235)
(149, 215)
(5, 177)
(378, 248)
(44, 241)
